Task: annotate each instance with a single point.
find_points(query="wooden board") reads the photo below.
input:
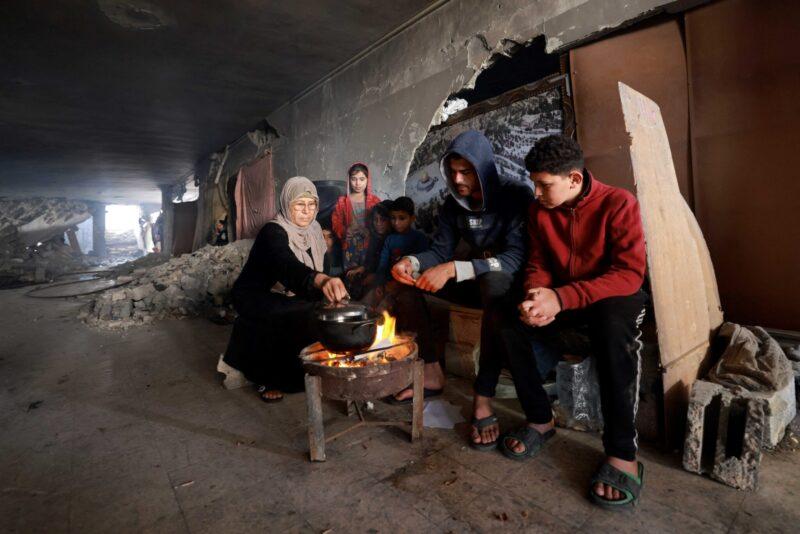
(685, 300)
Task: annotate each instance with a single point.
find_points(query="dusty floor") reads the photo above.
(112, 432)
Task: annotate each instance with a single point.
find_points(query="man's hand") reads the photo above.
(402, 270)
(540, 307)
(332, 288)
(435, 278)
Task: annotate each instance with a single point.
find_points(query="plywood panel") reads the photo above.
(652, 61)
(681, 275)
(744, 87)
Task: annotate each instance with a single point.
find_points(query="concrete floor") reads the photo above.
(130, 432)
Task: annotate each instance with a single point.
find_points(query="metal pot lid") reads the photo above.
(342, 311)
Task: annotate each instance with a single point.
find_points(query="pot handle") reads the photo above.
(362, 325)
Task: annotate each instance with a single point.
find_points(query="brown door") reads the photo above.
(650, 60)
(745, 109)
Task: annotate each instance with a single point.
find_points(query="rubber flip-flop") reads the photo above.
(630, 486)
(530, 438)
(426, 394)
(480, 424)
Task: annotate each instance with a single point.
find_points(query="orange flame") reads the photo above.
(384, 335)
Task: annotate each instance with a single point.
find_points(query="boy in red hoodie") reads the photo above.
(585, 269)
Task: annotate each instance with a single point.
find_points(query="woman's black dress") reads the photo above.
(272, 328)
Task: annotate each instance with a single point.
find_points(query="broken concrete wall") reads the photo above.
(379, 108)
(25, 222)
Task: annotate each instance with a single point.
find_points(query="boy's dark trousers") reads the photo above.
(612, 326)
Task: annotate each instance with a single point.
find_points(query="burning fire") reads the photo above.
(384, 335)
(385, 338)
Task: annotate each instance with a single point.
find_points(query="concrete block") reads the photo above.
(465, 326)
(724, 435)
(461, 359)
(781, 407)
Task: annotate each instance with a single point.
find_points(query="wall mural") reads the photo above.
(512, 122)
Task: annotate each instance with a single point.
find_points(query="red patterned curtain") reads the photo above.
(255, 197)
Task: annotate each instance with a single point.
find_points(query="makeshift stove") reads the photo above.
(385, 368)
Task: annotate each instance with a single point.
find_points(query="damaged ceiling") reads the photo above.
(106, 99)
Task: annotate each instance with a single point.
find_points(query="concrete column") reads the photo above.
(98, 211)
(168, 211)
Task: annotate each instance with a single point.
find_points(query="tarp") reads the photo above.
(752, 360)
(255, 197)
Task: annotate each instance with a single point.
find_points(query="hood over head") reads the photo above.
(475, 148)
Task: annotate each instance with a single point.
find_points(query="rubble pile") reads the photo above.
(39, 263)
(32, 247)
(182, 286)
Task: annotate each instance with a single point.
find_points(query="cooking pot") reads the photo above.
(346, 327)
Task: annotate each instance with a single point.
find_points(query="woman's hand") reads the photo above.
(332, 288)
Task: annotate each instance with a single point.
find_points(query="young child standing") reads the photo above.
(403, 241)
(350, 215)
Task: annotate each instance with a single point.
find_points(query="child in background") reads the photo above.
(333, 254)
(349, 217)
(403, 241)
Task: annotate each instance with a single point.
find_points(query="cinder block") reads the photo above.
(465, 326)
(781, 407)
(461, 359)
(724, 434)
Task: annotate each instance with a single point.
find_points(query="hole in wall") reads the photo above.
(515, 101)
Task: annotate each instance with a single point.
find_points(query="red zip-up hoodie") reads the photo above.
(588, 252)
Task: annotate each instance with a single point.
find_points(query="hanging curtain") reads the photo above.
(255, 197)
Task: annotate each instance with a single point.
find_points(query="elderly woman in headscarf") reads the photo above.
(279, 285)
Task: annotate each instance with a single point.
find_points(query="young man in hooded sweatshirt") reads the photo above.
(488, 214)
(585, 269)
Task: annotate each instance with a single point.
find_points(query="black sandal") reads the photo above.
(625, 483)
(262, 389)
(479, 425)
(530, 438)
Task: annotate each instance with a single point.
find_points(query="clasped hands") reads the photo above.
(432, 279)
(540, 307)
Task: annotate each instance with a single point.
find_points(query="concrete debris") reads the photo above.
(724, 434)
(25, 222)
(40, 263)
(181, 286)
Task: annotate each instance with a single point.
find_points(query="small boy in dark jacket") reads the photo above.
(403, 241)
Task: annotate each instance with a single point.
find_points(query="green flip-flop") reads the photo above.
(629, 485)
